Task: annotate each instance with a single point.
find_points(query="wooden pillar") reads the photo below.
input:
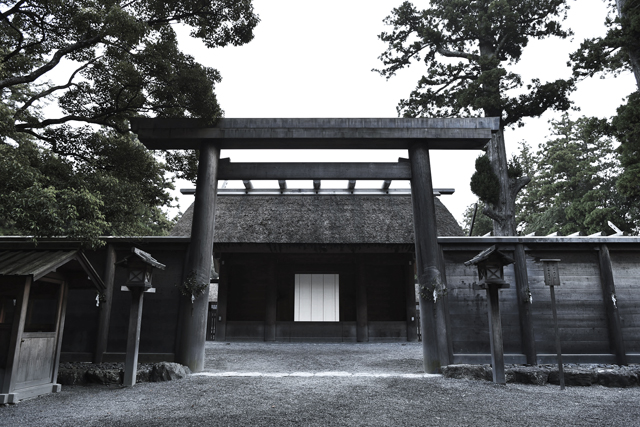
(524, 305)
(271, 302)
(362, 319)
(427, 253)
(193, 313)
(133, 336)
(616, 340)
(62, 312)
(105, 308)
(445, 342)
(410, 302)
(19, 318)
(223, 288)
(495, 334)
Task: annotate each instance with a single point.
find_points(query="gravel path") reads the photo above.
(321, 401)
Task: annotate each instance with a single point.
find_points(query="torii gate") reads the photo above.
(418, 136)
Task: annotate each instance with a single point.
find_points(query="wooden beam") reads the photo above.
(223, 288)
(410, 302)
(271, 302)
(352, 184)
(284, 171)
(316, 184)
(282, 183)
(247, 184)
(362, 320)
(523, 295)
(302, 133)
(386, 184)
(609, 297)
(192, 322)
(133, 336)
(105, 307)
(495, 334)
(427, 254)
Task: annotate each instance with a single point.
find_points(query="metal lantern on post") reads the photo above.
(552, 279)
(490, 263)
(140, 267)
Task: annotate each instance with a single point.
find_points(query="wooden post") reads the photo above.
(271, 302)
(427, 252)
(495, 334)
(193, 312)
(524, 305)
(62, 312)
(105, 309)
(133, 336)
(223, 286)
(19, 317)
(557, 336)
(616, 339)
(445, 342)
(362, 320)
(410, 302)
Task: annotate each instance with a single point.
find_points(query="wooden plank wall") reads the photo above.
(582, 321)
(468, 308)
(626, 276)
(582, 317)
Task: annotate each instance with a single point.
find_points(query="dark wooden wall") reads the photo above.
(626, 274)
(585, 318)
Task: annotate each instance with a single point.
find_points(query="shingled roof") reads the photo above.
(323, 219)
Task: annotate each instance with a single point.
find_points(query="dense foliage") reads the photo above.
(467, 47)
(574, 177)
(99, 62)
(619, 51)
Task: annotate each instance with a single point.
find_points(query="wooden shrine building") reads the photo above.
(316, 265)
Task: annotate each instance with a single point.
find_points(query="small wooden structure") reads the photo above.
(140, 267)
(33, 296)
(491, 263)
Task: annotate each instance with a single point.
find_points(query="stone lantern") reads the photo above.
(490, 263)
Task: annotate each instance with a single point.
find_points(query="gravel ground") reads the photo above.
(325, 400)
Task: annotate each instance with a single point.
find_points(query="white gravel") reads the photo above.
(348, 384)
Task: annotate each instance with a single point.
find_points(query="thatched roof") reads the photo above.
(321, 219)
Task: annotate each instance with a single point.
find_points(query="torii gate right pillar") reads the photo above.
(432, 295)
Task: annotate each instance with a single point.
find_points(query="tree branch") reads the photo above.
(454, 53)
(13, 9)
(491, 213)
(54, 88)
(51, 64)
(519, 184)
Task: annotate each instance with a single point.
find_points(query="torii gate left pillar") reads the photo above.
(192, 323)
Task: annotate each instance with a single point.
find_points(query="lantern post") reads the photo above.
(552, 279)
(490, 264)
(140, 267)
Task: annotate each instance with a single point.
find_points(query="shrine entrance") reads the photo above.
(418, 136)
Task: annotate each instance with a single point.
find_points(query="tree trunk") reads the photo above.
(503, 215)
(634, 57)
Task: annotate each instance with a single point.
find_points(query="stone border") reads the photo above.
(113, 373)
(574, 375)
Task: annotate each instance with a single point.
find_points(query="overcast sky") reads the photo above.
(314, 59)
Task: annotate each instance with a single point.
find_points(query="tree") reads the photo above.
(467, 47)
(573, 175)
(482, 224)
(618, 51)
(121, 60)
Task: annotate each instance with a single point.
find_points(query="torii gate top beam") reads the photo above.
(389, 133)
